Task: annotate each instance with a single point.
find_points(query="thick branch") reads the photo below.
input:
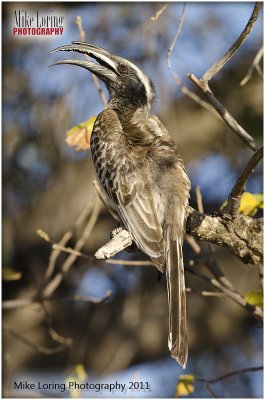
(242, 235)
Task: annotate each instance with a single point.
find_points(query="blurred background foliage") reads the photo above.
(47, 185)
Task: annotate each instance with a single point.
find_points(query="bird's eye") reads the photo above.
(123, 69)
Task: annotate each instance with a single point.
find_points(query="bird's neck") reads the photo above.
(126, 109)
(139, 127)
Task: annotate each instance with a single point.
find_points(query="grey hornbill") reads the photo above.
(139, 167)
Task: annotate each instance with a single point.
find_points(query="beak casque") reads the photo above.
(106, 67)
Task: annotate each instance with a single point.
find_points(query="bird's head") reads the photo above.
(125, 82)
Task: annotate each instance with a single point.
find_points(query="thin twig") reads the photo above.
(199, 199)
(159, 12)
(66, 237)
(39, 348)
(232, 294)
(95, 79)
(254, 66)
(52, 285)
(195, 97)
(77, 253)
(239, 187)
(229, 374)
(20, 303)
(55, 254)
(205, 293)
(202, 83)
(210, 390)
(223, 112)
(235, 46)
(171, 47)
(68, 341)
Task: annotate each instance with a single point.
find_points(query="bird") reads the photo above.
(142, 174)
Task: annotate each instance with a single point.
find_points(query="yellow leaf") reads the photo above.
(77, 374)
(185, 385)
(79, 135)
(80, 372)
(255, 298)
(249, 203)
(9, 274)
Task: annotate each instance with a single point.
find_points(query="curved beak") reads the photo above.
(104, 70)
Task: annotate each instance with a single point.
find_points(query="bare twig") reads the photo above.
(55, 254)
(95, 79)
(232, 294)
(195, 97)
(20, 303)
(39, 348)
(210, 390)
(223, 112)
(52, 332)
(205, 293)
(239, 187)
(202, 83)
(159, 12)
(118, 245)
(235, 46)
(199, 199)
(66, 237)
(171, 47)
(52, 285)
(229, 374)
(254, 66)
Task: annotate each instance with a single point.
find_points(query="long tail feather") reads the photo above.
(177, 341)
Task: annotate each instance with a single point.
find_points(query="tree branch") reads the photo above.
(235, 46)
(254, 65)
(171, 47)
(239, 187)
(223, 112)
(229, 374)
(202, 83)
(95, 79)
(242, 235)
(159, 12)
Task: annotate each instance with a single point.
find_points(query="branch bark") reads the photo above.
(243, 236)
